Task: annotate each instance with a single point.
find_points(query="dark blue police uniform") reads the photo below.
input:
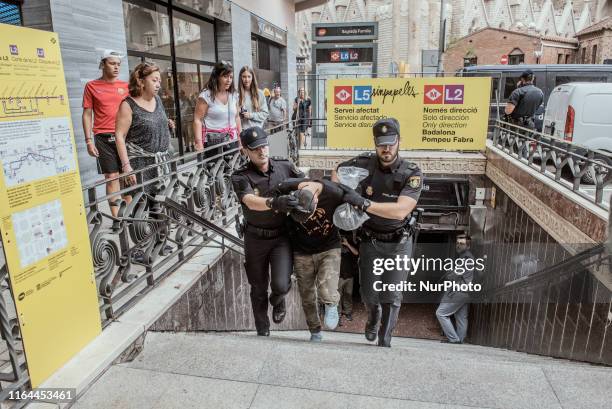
(383, 238)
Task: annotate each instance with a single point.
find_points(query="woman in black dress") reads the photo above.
(302, 111)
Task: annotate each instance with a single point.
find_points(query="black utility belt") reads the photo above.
(391, 237)
(264, 233)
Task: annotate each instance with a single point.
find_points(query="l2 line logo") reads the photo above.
(443, 94)
(353, 95)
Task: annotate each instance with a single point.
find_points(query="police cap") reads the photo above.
(254, 137)
(527, 74)
(386, 131)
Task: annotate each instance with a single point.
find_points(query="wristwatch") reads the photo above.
(366, 204)
(269, 202)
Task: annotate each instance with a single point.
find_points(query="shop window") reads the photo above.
(149, 38)
(10, 13)
(193, 38)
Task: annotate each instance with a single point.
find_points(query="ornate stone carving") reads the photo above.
(432, 165)
(563, 231)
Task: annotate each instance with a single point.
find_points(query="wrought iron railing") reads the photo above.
(135, 249)
(13, 372)
(577, 168)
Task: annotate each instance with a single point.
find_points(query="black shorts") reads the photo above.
(108, 159)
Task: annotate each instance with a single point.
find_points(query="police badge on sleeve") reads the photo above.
(414, 181)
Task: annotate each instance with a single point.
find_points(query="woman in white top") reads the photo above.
(216, 117)
(252, 101)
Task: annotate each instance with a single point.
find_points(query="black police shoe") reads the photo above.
(263, 332)
(371, 327)
(278, 312)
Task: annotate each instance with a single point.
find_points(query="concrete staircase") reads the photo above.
(241, 370)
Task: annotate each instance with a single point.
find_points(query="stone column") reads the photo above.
(241, 38)
(289, 69)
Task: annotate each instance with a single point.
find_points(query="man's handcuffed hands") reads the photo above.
(284, 203)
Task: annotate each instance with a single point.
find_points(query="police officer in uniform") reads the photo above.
(389, 195)
(268, 253)
(524, 101)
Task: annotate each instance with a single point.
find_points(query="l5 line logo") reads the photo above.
(443, 94)
(358, 95)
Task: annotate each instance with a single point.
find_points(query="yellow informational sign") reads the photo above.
(42, 215)
(434, 113)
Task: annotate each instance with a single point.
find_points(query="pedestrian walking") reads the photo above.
(101, 99)
(456, 303)
(278, 111)
(216, 118)
(252, 101)
(302, 113)
(143, 129)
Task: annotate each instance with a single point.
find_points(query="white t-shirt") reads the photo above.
(217, 117)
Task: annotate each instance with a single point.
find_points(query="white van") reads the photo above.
(581, 112)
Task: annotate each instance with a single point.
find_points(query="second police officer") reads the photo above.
(388, 194)
(268, 254)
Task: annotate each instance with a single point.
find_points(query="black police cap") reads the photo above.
(254, 137)
(386, 131)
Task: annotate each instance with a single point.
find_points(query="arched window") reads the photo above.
(516, 56)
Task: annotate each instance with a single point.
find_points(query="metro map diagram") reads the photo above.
(28, 99)
(40, 231)
(35, 149)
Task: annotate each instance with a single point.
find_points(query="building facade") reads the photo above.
(497, 46)
(184, 37)
(596, 43)
(409, 29)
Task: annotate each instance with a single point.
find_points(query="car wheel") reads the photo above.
(589, 176)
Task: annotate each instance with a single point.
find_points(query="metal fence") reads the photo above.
(572, 166)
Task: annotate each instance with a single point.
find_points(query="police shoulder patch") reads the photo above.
(414, 181)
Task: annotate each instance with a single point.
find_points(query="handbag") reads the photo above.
(216, 138)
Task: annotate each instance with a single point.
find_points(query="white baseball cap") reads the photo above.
(111, 53)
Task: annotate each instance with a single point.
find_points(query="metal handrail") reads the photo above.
(540, 151)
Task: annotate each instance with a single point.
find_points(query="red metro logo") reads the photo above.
(343, 95)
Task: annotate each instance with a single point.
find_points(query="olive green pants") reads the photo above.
(317, 279)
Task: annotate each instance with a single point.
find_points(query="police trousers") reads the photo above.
(372, 256)
(268, 262)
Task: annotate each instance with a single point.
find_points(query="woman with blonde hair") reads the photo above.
(252, 101)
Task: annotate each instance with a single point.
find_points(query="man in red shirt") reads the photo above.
(102, 98)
